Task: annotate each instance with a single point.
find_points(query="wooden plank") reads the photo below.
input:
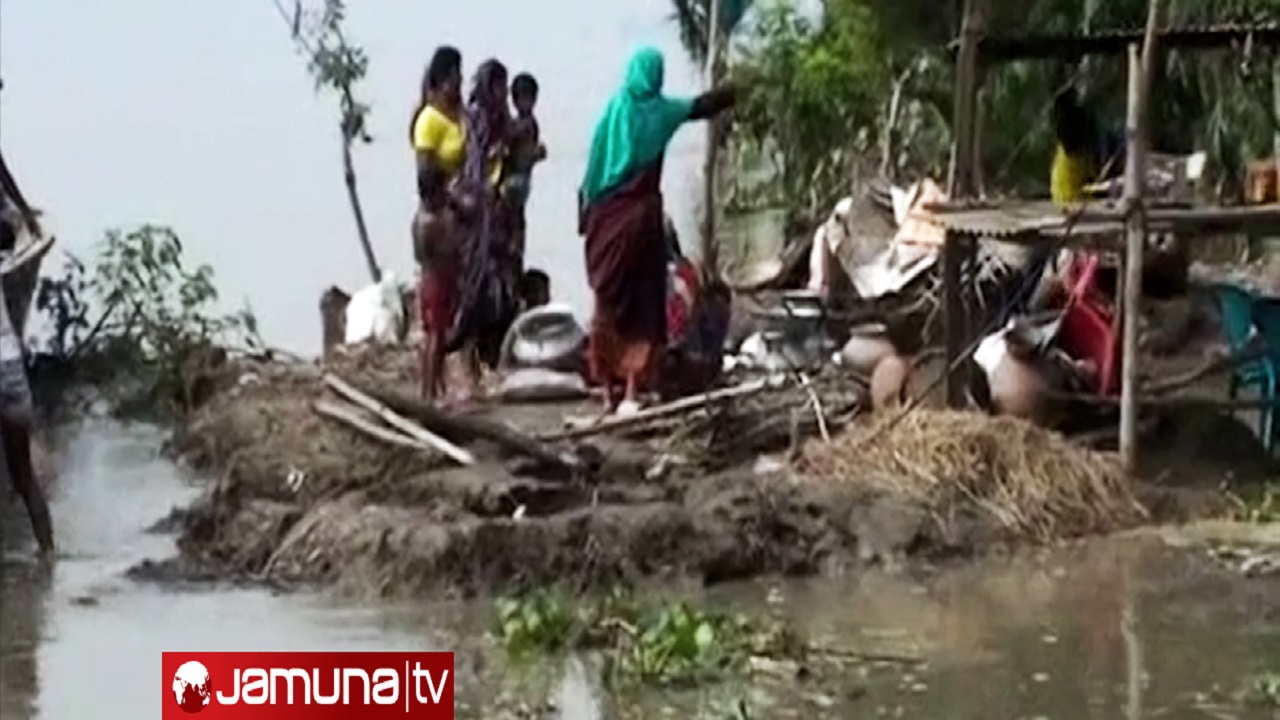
(1001, 49)
(411, 429)
(461, 426)
(348, 416)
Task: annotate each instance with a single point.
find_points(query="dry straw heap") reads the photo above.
(1034, 483)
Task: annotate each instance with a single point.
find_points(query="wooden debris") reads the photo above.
(412, 429)
(348, 417)
(677, 407)
(458, 427)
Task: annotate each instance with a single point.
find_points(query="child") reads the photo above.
(525, 149)
(434, 229)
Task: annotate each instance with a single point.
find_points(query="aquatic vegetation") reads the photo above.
(644, 641)
(1262, 690)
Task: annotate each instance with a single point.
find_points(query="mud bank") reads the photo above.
(300, 499)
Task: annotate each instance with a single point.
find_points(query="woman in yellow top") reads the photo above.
(1075, 157)
(438, 134)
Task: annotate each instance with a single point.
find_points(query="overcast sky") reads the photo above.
(198, 114)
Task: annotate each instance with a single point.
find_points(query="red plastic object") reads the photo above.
(1088, 326)
(681, 291)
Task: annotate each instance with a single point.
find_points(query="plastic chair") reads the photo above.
(1243, 315)
(1088, 327)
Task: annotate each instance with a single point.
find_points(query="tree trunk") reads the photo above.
(349, 175)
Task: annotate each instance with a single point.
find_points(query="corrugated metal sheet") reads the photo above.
(1009, 220)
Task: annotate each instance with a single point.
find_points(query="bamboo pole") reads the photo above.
(412, 429)
(710, 259)
(960, 180)
(1141, 70)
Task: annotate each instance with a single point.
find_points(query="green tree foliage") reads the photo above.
(157, 330)
(812, 96)
(873, 79)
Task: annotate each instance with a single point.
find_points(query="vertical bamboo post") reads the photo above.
(1141, 70)
(710, 259)
(961, 175)
(961, 185)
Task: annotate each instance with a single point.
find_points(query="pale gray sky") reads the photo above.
(198, 114)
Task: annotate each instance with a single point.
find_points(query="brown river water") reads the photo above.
(1142, 625)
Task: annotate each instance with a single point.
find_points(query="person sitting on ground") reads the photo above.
(525, 149)
(16, 419)
(534, 290)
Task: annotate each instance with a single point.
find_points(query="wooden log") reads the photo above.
(460, 427)
(411, 429)
(658, 412)
(347, 416)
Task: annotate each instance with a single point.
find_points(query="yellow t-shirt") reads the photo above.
(434, 132)
(1068, 178)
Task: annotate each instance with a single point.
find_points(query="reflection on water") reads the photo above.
(1126, 627)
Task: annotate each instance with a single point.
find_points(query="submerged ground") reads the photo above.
(1047, 633)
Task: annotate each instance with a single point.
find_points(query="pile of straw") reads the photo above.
(1033, 483)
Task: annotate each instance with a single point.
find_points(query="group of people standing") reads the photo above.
(474, 161)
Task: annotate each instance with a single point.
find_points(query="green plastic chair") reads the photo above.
(1243, 315)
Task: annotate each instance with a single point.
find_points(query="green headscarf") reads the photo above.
(637, 125)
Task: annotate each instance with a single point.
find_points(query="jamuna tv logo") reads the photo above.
(308, 685)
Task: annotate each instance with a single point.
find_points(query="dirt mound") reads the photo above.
(302, 499)
(1031, 483)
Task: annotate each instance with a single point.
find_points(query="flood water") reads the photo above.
(1122, 628)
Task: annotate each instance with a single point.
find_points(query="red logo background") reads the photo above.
(222, 679)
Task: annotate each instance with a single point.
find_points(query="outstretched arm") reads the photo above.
(713, 102)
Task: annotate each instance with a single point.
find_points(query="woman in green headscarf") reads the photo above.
(621, 215)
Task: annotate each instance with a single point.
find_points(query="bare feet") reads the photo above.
(627, 408)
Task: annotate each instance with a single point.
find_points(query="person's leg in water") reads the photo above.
(17, 452)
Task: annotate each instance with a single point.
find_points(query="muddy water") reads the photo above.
(1127, 627)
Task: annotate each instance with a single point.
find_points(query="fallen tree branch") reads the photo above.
(462, 427)
(348, 417)
(657, 412)
(412, 429)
